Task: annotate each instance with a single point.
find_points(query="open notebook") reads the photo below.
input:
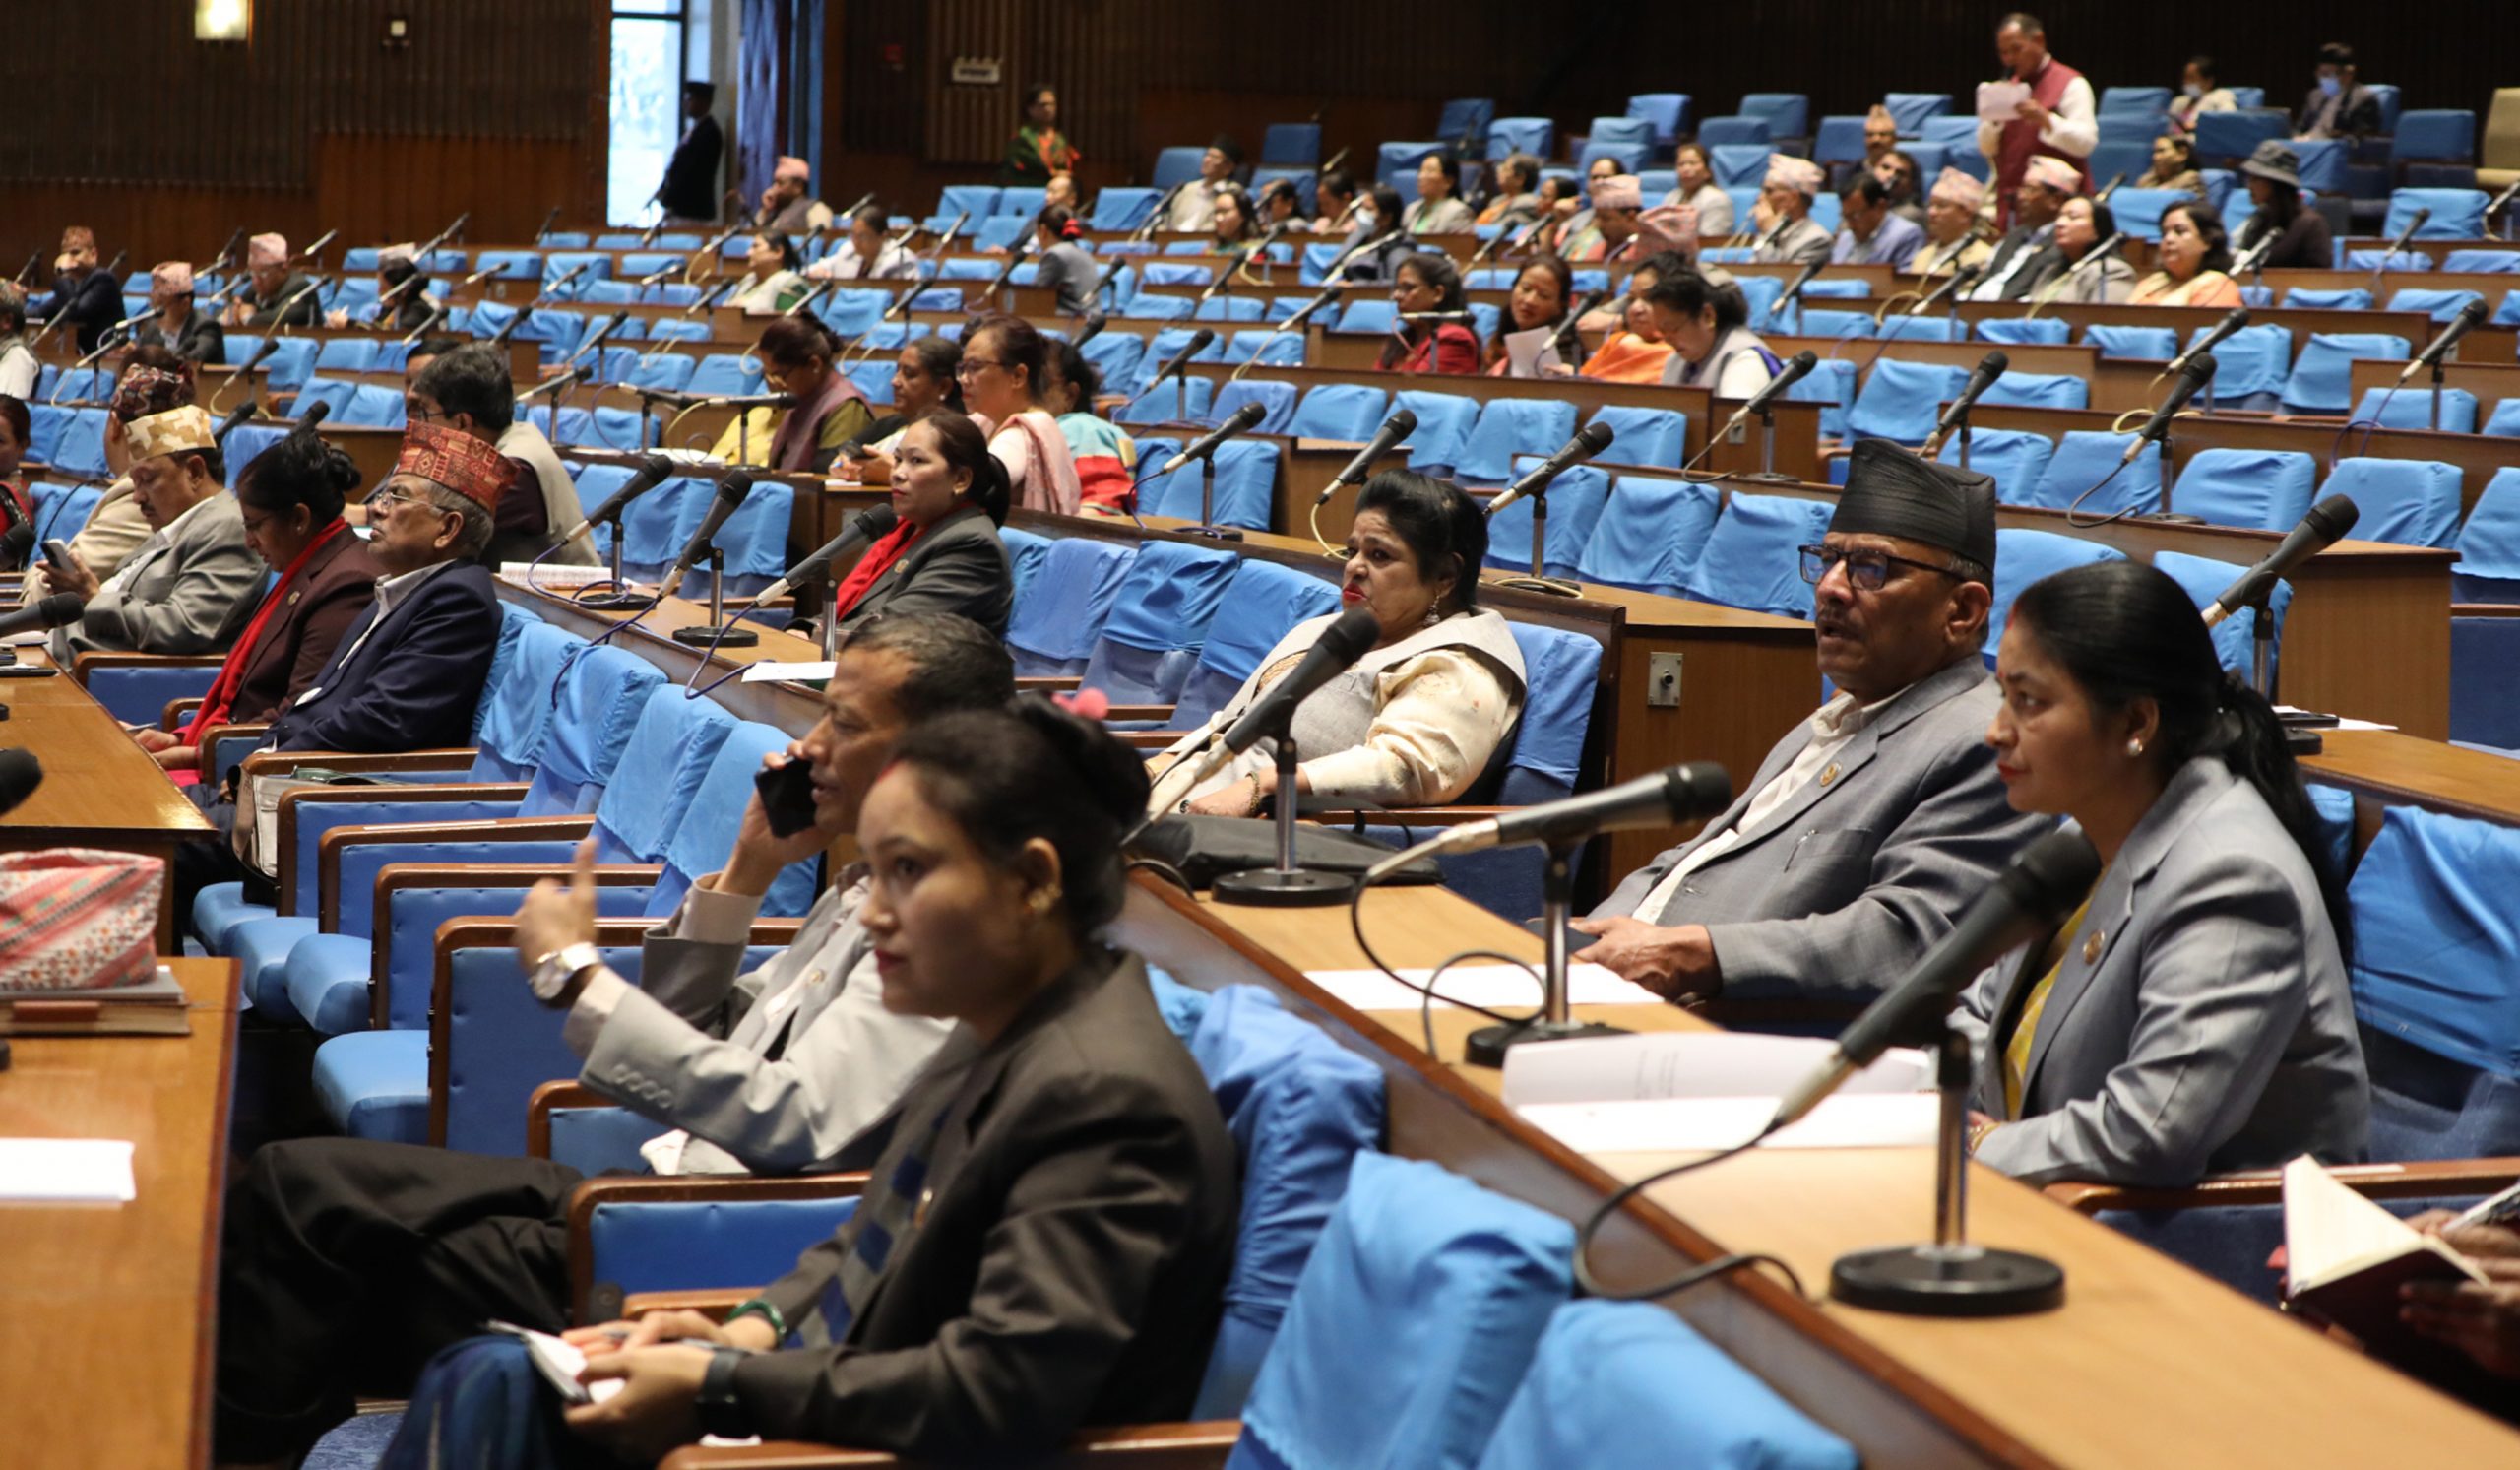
(1688, 1091)
(2345, 1258)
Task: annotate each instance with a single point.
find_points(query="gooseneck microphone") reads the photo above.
(1989, 370)
(2193, 381)
(732, 491)
(1242, 422)
(1399, 425)
(2325, 526)
(57, 610)
(1684, 793)
(2040, 887)
(1340, 646)
(1589, 441)
(2469, 317)
(863, 529)
(2233, 320)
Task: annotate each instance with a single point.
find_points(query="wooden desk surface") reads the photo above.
(2147, 1362)
(2386, 768)
(111, 1312)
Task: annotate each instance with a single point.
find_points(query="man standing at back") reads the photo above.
(1871, 825)
(689, 192)
(2059, 119)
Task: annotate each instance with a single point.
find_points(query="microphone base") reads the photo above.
(1269, 888)
(616, 602)
(1213, 533)
(702, 635)
(1550, 585)
(1764, 477)
(1489, 1045)
(1955, 1281)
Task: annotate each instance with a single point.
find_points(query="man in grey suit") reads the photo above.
(1872, 824)
(193, 585)
(332, 1242)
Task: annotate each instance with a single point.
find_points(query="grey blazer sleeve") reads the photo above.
(2221, 986)
(188, 602)
(967, 574)
(1925, 872)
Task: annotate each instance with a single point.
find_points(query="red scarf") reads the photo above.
(221, 698)
(879, 559)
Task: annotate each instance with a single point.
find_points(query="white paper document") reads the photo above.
(1998, 101)
(1530, 354)
(1686, 1091)
(551, 574)
(771, 668)
(1498, 987)
(65, 1171)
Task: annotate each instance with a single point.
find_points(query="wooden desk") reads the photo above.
(99, 790)
(2388, 768)
(2147, 1362)
(2490, 382)
(2300, 321)
(112, 1311)
(2116, 383)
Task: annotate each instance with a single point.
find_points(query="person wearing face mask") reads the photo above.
(1696, 189)
(2198, 94)
(949, 496)
(191, 586)
(290, 499)
(2192, 1016)
(2337, 105)
(338, 1248)
(1045, 1241)
(2109, 280)
(1871, 826)
(1420, 717)
(2193, 255)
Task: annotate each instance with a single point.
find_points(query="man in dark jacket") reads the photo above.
(690, 188)
(87, 295)
(2337, 107)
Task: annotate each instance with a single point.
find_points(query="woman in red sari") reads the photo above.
(292, 495)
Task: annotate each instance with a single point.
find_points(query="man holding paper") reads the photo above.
(2042, 109)
(1871, 825)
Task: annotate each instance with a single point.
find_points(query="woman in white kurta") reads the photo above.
(1417, 720)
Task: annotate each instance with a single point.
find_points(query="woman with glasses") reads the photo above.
(830, 412)
(291, 497)
(1005, 362)
(2192, 1016)
(1432, 333)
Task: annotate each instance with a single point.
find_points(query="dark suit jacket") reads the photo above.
(2358, 113)
(333, 592)
(958, 566)
(1078, 1226)
(203, 339)
(307, 312)
(413, 683)
(690, 189)
(92, 304)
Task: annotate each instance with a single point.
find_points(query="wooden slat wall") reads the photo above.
(120, 119)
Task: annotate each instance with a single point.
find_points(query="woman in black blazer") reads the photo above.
(941, 553)
(1045, 1243)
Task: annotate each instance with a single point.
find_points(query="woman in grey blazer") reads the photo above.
(2193, 1017)
(942, 553)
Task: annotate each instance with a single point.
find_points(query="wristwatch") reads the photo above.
(550, 979)
(720, 1413)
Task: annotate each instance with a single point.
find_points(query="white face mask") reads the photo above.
(2193, 91)
(2331, 84)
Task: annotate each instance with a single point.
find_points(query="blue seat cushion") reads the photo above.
(327, 978)
(261, 949)
(219, 909)
(375, 1084)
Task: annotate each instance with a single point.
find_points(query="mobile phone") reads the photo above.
(857, 451)
(57, 551)
(787, 797)
(27, 670)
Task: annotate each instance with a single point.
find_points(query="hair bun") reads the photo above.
(1110, 776)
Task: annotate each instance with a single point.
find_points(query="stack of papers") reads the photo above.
(1494, 987)
(65, 1171)
(1688, 1091)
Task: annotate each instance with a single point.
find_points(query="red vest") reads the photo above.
(2020, 141)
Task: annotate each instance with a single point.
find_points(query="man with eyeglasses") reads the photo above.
(468, 389)
(1871, 825)
(409, 673)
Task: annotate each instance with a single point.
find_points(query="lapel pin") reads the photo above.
(2093, 946)
(1829, 775)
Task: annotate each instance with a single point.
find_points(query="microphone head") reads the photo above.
(2235, 318)
(1350, 637)
(17, 542)
(2333, 517)
(2200, 367)
(1331, 294)
(1595, 436)
(314, 413)
(876, 521)
(19, 774)
(2054, 875)
(1200, 342)
(656, 466)
(2422, 214)
(735, 486)
(2471, 315)
(1696, 789)
(1994, 363)
(1403, 422)
(1245, 417)
(61, 609)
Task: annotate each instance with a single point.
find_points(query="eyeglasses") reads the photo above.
(970, 367)
(383, 500)
(1867, 571)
